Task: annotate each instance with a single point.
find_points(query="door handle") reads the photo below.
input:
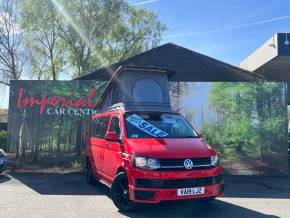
(106, 144)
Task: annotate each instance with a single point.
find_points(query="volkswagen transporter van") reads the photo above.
(149, 157)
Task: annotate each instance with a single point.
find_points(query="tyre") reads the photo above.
(120, 193)
(207, 200)
(88, 173)
(3, 169)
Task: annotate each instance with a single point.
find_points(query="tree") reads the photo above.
(137, 31)
(38, 20)
(97, 33)
(250, 118)
(234, 106)
(11, 54)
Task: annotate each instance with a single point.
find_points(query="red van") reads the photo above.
(150, 157)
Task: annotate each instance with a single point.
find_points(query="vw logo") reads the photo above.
(188, 164)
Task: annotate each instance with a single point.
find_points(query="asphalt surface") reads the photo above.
(67, 195)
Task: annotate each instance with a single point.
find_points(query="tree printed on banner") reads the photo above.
(36, 134)
(245, 121)
(250, 129)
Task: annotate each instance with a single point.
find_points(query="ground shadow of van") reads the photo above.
(4, 178)
(193, 208)
(74, 184)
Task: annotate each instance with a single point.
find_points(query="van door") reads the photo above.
(98, 143)
(112, 154)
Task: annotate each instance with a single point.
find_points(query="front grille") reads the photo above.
(144, 195)
(178, 164)
(178, 183)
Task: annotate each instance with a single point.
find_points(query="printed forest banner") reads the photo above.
(48, 120)
(245, 122)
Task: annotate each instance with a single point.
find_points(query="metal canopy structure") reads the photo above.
(189, 65)
(272, 60)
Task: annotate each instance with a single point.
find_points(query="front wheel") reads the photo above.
(120, 193)
(207, 200)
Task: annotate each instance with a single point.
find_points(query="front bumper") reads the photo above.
(155, 193)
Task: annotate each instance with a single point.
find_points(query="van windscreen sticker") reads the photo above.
(168, 119)
(143, 125)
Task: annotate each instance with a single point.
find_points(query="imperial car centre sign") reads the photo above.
(63, 98)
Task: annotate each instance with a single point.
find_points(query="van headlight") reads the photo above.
(146, 163)
(214, 160)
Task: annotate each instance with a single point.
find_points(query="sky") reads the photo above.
(228, 30)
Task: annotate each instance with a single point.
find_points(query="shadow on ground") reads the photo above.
(4, 178)
(238, 187)
(75, 184)
(217, 209)
(257, 187)
(60, 184)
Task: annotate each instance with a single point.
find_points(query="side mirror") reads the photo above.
(112, 136)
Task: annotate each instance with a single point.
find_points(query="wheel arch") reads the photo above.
(120, 169)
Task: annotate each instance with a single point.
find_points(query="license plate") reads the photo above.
(1, 161)
(190, 191)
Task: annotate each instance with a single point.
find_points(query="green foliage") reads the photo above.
(45, 54)
(83, 35)
(251, 118)
(3, 139)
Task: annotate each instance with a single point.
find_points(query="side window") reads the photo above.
(115, 125)
(101, 126)
(94, 127)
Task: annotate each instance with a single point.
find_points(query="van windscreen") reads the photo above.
(157, 125)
